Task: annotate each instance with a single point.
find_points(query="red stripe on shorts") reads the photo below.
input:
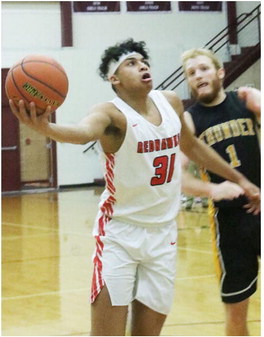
(97, 280)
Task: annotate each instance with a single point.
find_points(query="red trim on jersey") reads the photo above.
(107, 212)
(109, 175)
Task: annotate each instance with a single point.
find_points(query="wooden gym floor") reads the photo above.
(46, 269)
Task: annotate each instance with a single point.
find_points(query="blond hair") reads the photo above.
(192, 53)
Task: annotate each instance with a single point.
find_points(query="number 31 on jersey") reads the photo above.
(164, 168)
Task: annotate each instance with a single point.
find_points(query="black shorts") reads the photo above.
(238, 246)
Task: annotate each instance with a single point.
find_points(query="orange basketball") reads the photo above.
(39, 79)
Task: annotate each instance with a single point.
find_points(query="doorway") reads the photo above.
(28, 158)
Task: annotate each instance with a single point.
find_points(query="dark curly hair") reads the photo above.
(117, 50)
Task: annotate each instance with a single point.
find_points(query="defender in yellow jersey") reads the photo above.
(227, 122)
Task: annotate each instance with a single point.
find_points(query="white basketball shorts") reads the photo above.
(135, 262)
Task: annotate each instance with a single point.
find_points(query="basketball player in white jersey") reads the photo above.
(135, 231)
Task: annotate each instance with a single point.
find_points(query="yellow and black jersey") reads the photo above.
(231, 130)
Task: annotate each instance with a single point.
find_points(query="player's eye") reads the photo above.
(146, 63)
(191, 73)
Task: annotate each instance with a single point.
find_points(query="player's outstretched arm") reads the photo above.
(89, 129)
(198, 188)
(192, 185)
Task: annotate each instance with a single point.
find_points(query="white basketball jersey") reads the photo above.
(143, 178)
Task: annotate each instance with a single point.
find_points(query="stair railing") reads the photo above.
(216, 44)
(177, 77)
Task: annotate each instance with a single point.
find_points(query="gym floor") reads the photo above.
(47, 266)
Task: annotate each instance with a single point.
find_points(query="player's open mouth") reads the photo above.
(146, 77)
(202, 85)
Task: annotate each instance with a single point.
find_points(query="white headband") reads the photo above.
(113, 65)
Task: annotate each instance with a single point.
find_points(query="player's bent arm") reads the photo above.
(252, 98)
(206, 157)
(203, 155)
(89, 129)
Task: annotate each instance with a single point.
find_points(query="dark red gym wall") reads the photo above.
(66, 24)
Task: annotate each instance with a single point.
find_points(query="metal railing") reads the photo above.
(248, 23)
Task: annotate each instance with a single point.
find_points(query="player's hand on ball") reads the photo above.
(30, 117)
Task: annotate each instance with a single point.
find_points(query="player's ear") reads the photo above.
(221, 73)
(114, 80)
